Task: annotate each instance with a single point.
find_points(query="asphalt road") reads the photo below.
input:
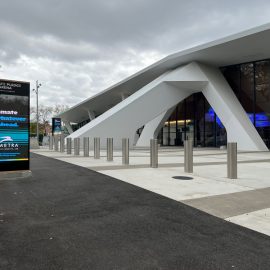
(69, 217)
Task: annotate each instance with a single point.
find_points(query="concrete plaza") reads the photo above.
(245, 201)
(64, 216)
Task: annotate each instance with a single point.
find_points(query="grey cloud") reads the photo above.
(81, 47)
(113, 24)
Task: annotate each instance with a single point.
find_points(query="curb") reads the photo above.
(14, 175)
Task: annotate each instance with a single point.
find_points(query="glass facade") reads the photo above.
(251, 84)
(262, 96)
(194, 118)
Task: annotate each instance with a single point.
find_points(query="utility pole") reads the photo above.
(38, 85)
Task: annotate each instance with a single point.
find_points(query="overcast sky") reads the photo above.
(77, 48)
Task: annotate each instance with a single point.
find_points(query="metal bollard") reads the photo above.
(62, 143)
(75, 142)
(56, 141)
(96, 148)
(153, 153)
(76, 146)
(69, 146)
(86, 147)
(109, 149)
(232, 160)
(188, 149)
(125, 151)
(51, 143)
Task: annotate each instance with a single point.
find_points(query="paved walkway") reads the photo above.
(68, 217)
(233, 204)
(209, 180)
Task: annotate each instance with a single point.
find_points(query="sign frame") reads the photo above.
(54, 120)
(17, 153)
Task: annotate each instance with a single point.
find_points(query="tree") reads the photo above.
(59, 108)
(44, 115)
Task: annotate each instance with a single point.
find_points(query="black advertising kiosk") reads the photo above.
(56, 126)
(14, 125)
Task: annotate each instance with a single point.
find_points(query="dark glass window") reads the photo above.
(180, 129)
(221, 134)
(189, 106)
(247, 89)
(193, 118)
(160, 137)
(262, 90)
(209, 125)
(199, 119)
(233, 77)
(172, 127)
(166, 133)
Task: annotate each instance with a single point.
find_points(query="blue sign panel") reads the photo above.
(56, 126)
(14, 125)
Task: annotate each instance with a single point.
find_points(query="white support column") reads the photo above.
(152, 128)
(91, 115)
(68, 126)
(123, 96)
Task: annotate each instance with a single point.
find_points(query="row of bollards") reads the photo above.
(231, 158)
(54, 144)
(55, 141)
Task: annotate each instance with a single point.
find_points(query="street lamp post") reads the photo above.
(38, 85)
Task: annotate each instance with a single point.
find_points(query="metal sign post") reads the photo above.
(14, 125)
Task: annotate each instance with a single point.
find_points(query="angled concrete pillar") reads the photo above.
(123, 96)
(68, 126)
(152, 128)
(230, 111)
(91, 115)
(143, 106)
